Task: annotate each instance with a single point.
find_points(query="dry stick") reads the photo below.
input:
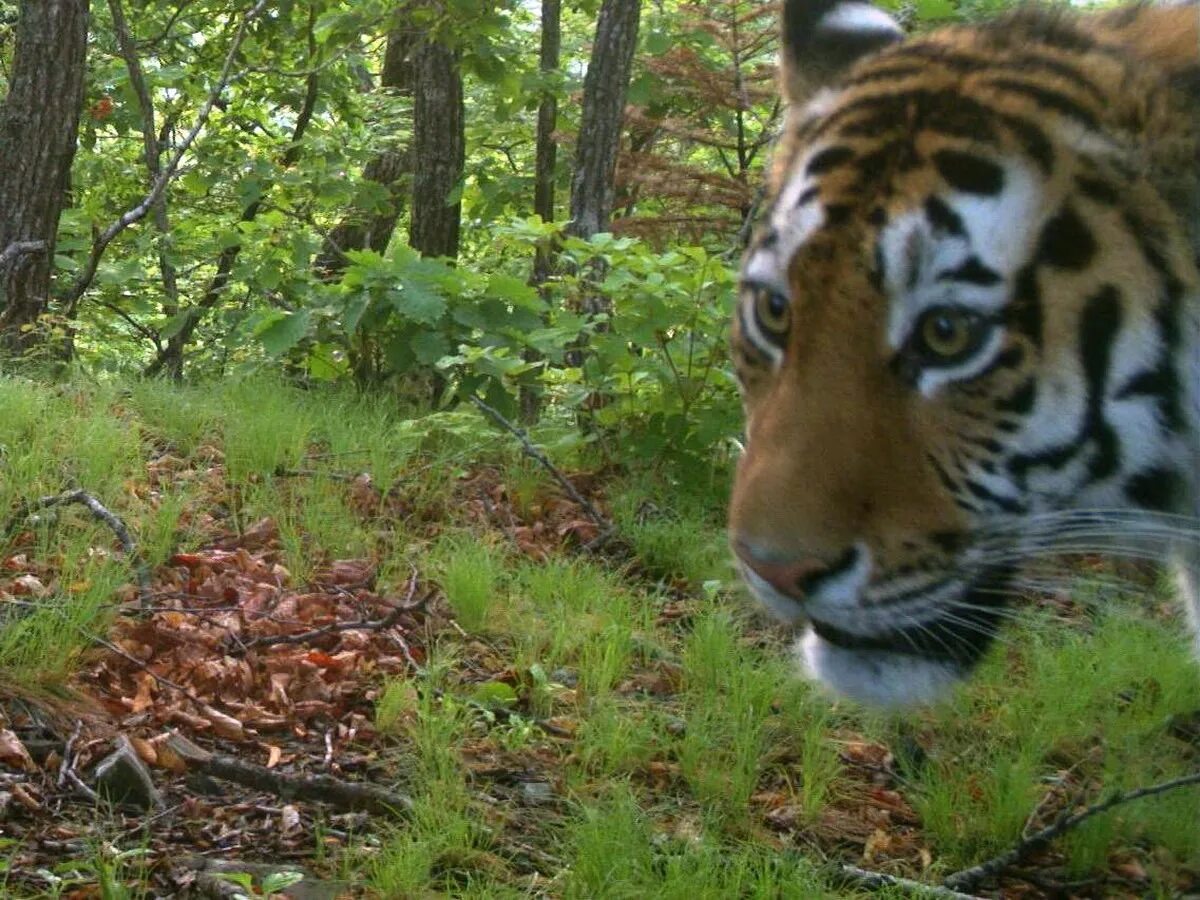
(878, 881)
(112, 520)
(344, 795)
(139, 212)
(408, 605)
(968, 878)
(606, 527)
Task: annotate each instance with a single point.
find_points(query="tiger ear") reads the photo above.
(822, 37)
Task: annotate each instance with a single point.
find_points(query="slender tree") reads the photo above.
(545, 165)
(38, 129)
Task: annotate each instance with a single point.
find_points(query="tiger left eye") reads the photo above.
(947, 336)
(773, 311)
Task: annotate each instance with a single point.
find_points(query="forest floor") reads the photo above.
(337, 595)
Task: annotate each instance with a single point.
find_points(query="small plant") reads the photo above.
(471, 575)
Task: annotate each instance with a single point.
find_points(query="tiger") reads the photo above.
(966, 328)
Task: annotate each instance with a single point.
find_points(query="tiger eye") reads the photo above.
(773, 311)
(946, 335)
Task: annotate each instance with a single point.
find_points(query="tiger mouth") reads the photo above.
(957, 632)
(910, 648)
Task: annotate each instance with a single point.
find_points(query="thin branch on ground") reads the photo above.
(139, 212)
(968, 878)
(606, 527)
(345, 795)
(879, 881)
(282, 472)
(140, 570)
(405, 606)
(20, 248)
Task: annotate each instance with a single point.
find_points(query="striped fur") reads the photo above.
(969, 326)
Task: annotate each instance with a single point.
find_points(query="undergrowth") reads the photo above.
(616, 724)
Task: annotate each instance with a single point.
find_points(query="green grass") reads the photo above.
(666, 719)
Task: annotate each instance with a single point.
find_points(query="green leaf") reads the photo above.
(417, 303)
(430, 346)
(281, 334)
(494, 694)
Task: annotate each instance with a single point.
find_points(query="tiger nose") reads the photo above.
(792, 578)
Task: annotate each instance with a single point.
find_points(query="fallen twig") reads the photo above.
(968, 878)
(304, 637)
(283, 472)
(322, 788)
(140, 570)
(879, 881)
(605, 526)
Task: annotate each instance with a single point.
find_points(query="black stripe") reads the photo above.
(829, 158)
(1159, 488)
(1098, 329)
(807, 196)
(973, 271)
(1015, 63)
(1033, 140)
(1008, 358)
(1024, 313)
(969, 173)
(989, 497)
(1066, 242)
(1021, 400)
(943, 218)
(1097, 189)
(1048, 99)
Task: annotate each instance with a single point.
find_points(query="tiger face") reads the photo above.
(968, 329)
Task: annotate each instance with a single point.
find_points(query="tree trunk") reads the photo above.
(544, 172)
(604, 90)
(439, 149)
(592, 187)
(363, 229)
(38, 127)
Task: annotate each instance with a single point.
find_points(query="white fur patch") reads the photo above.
(858, 17)
(876, 676)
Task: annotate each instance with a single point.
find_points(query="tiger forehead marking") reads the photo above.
(968, 325)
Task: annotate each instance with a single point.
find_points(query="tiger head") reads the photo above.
(967, 330)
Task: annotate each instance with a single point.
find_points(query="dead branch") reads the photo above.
(875, 881)
(139, 212)
(140, 570)
(605, 526)
(350, 796)
(304, 637)
(968, 878)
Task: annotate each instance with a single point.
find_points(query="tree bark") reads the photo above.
(39, 124)
(362, 229)
(604, 90)
(439, 148)
(544, 171)
(593, 186)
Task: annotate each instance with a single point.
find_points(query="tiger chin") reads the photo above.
(968, 327)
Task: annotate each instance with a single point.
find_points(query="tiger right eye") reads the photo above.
(773, 311)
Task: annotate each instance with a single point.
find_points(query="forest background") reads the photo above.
(366, 412)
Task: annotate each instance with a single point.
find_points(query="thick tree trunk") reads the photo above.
(362, 229)
(439, 149)
(604, 91)
(38, 127)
